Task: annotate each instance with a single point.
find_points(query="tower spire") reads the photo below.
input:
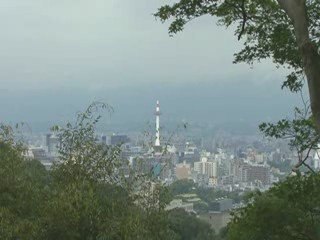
(157, 142)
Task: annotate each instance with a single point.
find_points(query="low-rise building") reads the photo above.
(183, 171)
(178, 203)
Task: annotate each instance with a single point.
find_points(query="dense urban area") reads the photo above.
(208, 177)
(160, 120)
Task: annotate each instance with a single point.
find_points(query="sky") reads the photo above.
(58, 56)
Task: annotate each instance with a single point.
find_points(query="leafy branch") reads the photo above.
(301, 133)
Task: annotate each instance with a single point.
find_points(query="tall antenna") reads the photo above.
(157, 143)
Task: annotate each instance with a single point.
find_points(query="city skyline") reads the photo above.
(55, 68)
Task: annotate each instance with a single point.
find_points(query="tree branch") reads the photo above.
(244, 19)
(303, 161)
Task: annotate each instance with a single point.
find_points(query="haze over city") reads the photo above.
(129, 119)
(59, 56)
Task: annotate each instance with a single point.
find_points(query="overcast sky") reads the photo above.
(57, 56)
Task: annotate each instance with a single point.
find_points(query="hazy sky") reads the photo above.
(57, 56)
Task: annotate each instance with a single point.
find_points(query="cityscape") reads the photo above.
(241, 166)
(160, 120)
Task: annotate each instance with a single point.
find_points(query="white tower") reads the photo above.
(157, 143)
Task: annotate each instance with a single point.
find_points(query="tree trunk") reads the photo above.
(297, 12)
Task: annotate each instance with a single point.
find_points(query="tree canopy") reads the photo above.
(85, 195)
(287, 31)
(288, 211)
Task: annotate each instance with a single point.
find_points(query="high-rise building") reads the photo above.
(250, 173)
(258, 172)
(52, 142)
(119, 139)
(104, 139)
(206, 167)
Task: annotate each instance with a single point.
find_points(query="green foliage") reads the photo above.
(284, 166)
(86, 194)
(189, 227)
(267, 33)
(223, 233)
(201, 207)
(21, 190)
(81, 157)
(182, 186)
(294, 81)
(92, 198)
(289, 210)
(301, 133)
(210, 195)
(264, 27)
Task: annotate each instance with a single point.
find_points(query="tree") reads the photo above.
(182, 186)
(301, 133)
(288, 211)
(22, 192)
(287, 31)
(84, 196)
(189, 227)
(91, 198)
